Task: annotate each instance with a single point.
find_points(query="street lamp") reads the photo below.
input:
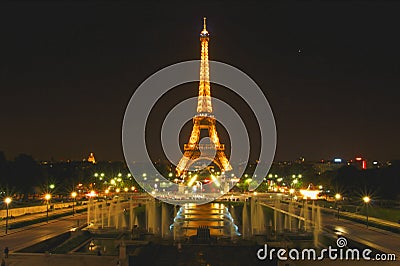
(73, 195)
(366, 200)
(47, 197)
(7, 201)
(337, 198)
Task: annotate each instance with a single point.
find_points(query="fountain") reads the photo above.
(111, 214)
(246, 230)
(291, 210)
(277, 217)
(121, 214)
(214, 216)
(317, 225)
(165, 232)
(152, 217)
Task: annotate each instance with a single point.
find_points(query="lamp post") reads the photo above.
(366, 200)
(73, 195)
(7, 201)
(47, 197)
(337, 198)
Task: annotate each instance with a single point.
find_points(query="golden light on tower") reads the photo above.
(204, 100)
(204, 120)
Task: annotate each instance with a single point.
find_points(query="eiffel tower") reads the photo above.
(204, 120)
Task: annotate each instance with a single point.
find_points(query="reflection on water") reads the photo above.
(104, 246)
(215, 216)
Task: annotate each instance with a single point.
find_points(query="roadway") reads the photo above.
(375, 238)
(33, 234)
(32, 217)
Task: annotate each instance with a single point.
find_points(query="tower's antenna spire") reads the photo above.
(204, 28)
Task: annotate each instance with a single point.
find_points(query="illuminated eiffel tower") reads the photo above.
(204, 120)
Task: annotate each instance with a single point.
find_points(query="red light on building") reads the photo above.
(364, 164)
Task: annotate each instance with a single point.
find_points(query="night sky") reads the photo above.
(330, 71)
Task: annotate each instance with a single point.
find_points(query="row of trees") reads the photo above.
(26, 176)
(23, 173)
(383, 183)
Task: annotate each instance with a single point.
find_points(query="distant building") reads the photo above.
(359, 163)
(91, 158)
(323, 166)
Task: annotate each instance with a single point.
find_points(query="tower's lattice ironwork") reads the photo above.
(204, 120)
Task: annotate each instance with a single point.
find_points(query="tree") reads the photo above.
(24, 174)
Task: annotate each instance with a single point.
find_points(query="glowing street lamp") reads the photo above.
(337, 198)
(47, 197)
(7, 201)
(73, 195)
(366, 200)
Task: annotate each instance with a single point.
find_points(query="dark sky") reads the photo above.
(330, 71)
